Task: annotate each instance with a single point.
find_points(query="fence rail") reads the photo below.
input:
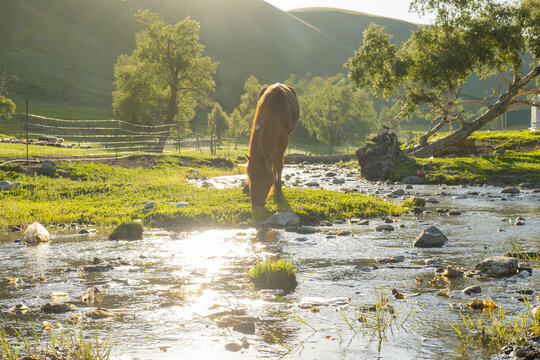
(115, 137)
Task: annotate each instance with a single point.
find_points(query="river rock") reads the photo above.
(338, 181)
(181, 205)
(57, 308)
(430, 237)
(398, 192)
(306, 230)
(432, 200)
(498, 265)
(48, 168)
(510, 190)
(283, 219)
(36, 233)
(411, 180)
(472, 290)
(6, 185)
(385, 227)
(247, 328)
(312, 184)
(391, 260)
(454, 212)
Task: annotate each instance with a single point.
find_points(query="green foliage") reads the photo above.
(127, 231)
(166, 76)
(247, 107)
(481, 37)
(332, 111)
(6, 105)
(218, 121)
(274, 274)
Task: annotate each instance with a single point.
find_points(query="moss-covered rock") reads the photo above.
(127, 231)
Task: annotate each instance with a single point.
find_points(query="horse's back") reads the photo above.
(280, 100)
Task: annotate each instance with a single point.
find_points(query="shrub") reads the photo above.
(127, 231)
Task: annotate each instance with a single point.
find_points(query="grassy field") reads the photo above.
(107, 195)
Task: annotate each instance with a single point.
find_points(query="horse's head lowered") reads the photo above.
(260, 179)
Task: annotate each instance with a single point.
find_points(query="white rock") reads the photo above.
(498, 265)
(36, 233)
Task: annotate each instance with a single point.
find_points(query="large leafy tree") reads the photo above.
(333, 111)
(246, 110)
(165, 77)
(474, 37)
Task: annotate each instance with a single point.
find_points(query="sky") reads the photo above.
(397, 9)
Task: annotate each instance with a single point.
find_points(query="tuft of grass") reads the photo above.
(127, 231)
(497, 330)
(68, 343)
(274, 274)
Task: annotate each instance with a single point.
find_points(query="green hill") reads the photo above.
(348, 26)
(63, 51)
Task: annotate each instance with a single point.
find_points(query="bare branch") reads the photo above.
(468, 102)
(528, 91)
(506, 81)
(515, 103)
(530, 76)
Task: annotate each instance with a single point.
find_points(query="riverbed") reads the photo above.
(184, 294)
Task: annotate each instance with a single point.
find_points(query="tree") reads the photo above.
(475, 37)
(165, 77)
(247, 107)
(6, 105)
(335, 112)
(218, 124)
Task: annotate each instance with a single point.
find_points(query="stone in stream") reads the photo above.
(430, 237)
(432, 200)
(36, 233)
(282, 220)
(498, 265)
(398, 192)
(384, 227)
(306, 230)
(57, 308)
(391, 260)
(510, 190)
(247, 328)
(338, 181)
(454, 212)
(472, 290)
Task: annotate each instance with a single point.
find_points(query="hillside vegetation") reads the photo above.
(63, 51)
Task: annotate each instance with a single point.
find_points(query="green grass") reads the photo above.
(69, 343)
(274, 274)
(110, 195)
(497, 329)
(516, 167)
(508, 139)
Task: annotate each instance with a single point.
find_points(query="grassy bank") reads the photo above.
(107, 195)
(498, 157)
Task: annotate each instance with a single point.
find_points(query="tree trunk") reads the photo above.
(466, 128)
(162, 141)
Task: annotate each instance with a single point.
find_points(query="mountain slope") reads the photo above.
(63, 51)
(348, 26)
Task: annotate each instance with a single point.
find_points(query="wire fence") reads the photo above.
(116, 137)
(108, 137)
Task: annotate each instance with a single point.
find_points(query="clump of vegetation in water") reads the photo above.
(127, 231)
(274, 274)
(498, 330)
(68, 344)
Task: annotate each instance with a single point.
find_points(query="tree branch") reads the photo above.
(506, 81)
(528, 92)
(515, 103)
(481, 102)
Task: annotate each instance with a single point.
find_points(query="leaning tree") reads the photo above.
(482, 38)
(165, 77)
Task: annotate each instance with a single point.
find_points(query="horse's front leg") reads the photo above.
(278, 169)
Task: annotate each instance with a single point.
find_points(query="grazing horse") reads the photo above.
(276, 117)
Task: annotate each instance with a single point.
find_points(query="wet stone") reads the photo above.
(430, 237)
(57, 308)
(247, 328)
(498, 265)
(510, 190)
(472, 290)
(344, 233)
(306, 230)
(384, 227)
(454, 212)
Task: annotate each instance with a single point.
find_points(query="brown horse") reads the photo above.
(276, 117)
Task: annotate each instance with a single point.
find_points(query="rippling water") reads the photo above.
(171, 285)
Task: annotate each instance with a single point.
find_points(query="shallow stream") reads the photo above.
(182, 292)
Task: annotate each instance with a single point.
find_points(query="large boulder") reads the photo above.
(36, 233)
(498, 265)
(281, 220)
(430, 237)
